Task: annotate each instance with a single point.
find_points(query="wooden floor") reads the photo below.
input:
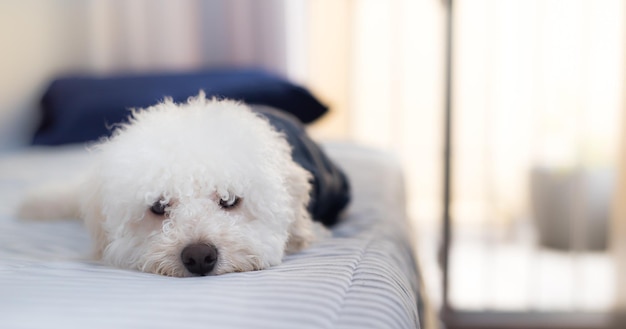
(532, 320)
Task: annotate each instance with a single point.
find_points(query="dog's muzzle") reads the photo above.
(199, 258)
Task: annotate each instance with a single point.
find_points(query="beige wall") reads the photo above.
(39, 40)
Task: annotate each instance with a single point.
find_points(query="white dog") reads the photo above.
(202, 188)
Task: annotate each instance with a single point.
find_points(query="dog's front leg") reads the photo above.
(59, 200)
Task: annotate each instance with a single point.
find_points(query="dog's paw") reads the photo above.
(321, 232)
(49, 202)
(304, 238)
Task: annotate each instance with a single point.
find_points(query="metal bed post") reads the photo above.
(447, 179)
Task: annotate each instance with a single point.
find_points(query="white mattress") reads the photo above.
(363, 277)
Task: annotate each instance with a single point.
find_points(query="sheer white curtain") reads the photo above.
(380, 67)
(538, 89)
(379, 64)
(139, 35)
(538, 85)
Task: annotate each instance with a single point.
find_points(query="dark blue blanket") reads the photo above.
(331, 191)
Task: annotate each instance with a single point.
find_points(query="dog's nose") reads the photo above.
(199, 258)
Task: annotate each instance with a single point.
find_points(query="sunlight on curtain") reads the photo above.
(162, 35)
(389, 54)
(537, 106)
(397, 91)
(379, 65)
(537, 86)
(328, 65)
(141, 35)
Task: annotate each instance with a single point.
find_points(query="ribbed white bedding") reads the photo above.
(363, 277)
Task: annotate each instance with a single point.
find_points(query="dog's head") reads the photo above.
(201, 188)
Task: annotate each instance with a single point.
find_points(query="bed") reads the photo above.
(364, 276)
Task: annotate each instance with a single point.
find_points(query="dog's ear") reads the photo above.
(301, 229)
(91, 212)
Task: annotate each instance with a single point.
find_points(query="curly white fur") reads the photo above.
(188, 156)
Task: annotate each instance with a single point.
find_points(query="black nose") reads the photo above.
(199, 258)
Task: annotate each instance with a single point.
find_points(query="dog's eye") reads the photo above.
(229, 201)
(158, 208)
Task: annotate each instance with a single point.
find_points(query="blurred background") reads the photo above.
(537, 180)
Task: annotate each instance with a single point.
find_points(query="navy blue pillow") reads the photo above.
(80, 109)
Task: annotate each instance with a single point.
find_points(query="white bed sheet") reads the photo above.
(363, 277)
